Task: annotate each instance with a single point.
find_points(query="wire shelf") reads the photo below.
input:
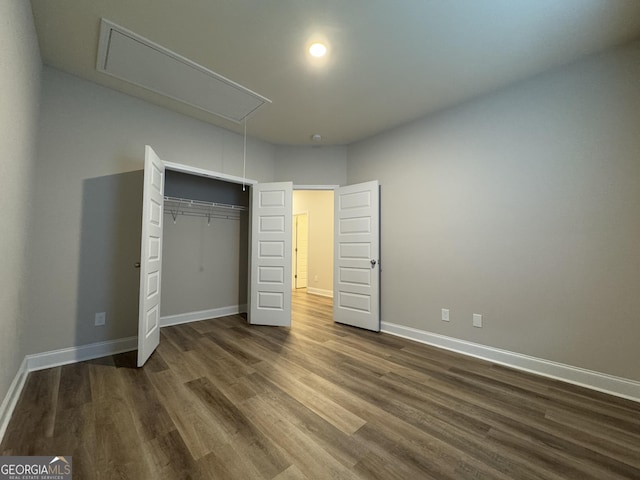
(197, 208)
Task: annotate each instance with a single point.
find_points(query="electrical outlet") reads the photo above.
(477, 320)
(445, 314)
(101, 319)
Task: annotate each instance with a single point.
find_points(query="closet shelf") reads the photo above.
(198, 208)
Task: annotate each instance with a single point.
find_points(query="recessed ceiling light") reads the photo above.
(318, 50)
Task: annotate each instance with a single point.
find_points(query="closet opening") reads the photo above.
(205, 248)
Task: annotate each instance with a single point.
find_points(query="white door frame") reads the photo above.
(296, 251)
(316, 187)
(332, 188)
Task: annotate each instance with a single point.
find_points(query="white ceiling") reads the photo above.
(390, 61)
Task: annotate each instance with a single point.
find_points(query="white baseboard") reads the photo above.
(65, 356)
(11, 398)
(179, 318)
(55, 358)
(320, 291)
(602, 382)
(621, 387)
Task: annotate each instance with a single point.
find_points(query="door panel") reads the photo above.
(356, 267)
(150, 256)
(270, 271)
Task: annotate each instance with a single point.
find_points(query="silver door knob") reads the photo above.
(137, 264)
(373, 263)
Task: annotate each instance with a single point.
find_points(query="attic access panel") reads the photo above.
(137, 60)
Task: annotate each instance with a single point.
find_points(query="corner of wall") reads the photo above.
(20, 73)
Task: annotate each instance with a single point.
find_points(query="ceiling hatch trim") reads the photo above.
(128, 56)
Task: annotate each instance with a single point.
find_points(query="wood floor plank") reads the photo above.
(75, 436)
(148, 412)
(341, 418)
(172, 459)
(246, 438)
(229, 462)
(34, 412)
(176, 359)
(221, 399)
(119, 449)
(75, 387)
(610, 433)
(338, 444)
(305, 453)
(201, 433)
(291, 473)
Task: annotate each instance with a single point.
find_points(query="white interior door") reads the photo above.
(356, 269)
(151, 256)
(294, 256)
(270, 272)
(301, 248)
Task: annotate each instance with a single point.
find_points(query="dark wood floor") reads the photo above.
(223, 400)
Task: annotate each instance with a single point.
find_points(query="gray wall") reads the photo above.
(312, 165)
(204, 266)
(523, 206)
(87, 198)
(195, 187)
(20, 70)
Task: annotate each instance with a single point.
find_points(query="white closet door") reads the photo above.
(356, 269)
(151, 256)
(270, 283)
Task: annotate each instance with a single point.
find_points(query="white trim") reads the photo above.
(320, 292)
(64, 356)
(11, 398)
(602, 382)
(188, 317)
(315, 187)
(55, 358)
(201, 172)
(294, 256)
